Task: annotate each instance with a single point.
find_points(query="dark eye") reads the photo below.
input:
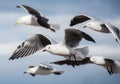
(48, 47)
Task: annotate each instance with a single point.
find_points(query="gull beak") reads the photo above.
(43, 50)
(24, 72)
(84, 26)
(16, 23)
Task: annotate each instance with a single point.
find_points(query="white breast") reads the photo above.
(31, 20)
(98, 60)
(60, 50)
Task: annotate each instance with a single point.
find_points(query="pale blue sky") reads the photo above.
(58, 12)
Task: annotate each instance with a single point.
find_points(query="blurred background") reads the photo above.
(60, 12)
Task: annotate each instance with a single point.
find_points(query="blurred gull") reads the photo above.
(35, 18)
(97, 25)
(112, 65)
(64, 48)
(42, 69)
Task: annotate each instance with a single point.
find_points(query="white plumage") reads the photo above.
(34, 18)
(64, 48)
(97, 25)
(43, 69)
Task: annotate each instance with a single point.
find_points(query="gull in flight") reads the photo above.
(71, 40)
(65, 48)
(112, 65)
(35, 18)
(97, 25)
(42, 69)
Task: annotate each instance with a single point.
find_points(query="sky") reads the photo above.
(60, 12)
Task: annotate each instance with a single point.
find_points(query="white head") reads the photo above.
(95, 25)
(97, 60)
(24, 20)
(48, 48)
(90, 24)
(30, 70)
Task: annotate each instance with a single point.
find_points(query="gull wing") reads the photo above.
(114, 30)
(45, 66)
(74, 36)
(30, 46)
(80, 19)
(32, 12)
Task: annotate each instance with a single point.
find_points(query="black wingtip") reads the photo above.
(11, 58)
(94, 41)
(88, 37)
(71, 23)
(57, 73)
(17, 6)
(53, 30)
(32, 74)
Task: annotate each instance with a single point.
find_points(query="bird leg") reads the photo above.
(74, 58)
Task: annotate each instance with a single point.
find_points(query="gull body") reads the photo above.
(42, 69)
(34, 18)
(97, 25)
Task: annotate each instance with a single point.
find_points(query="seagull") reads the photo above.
(66, 48)
(35, 18)
(112, 65)
(97, 25)
(43, 69)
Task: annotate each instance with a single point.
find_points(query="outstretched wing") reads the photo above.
(67, 62)
(30, 46)
(116, 67)
(87, 37)
(72, 62)
(45, 66)
(74, 36)
(114, 30)
(81, 18)
(32, 12)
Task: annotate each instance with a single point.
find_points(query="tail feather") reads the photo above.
(54, 27)
(80, 55)
(83, 51)
(58, 72)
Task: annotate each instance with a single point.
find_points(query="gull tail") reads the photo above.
(83, 51)
(54, 27)
(57, 72)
